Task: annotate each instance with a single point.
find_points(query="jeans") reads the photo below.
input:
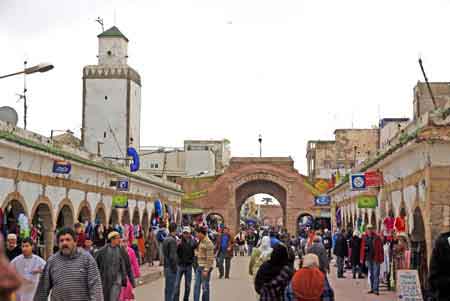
(169, 290)
(356, 269)
(374, 270)
(220, 260)
(201, 283)
(185, 270)
(250, 249)
(340, 266)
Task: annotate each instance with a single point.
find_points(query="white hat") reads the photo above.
(186, 230)
(12, 236)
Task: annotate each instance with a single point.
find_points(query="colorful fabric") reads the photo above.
(127, 293)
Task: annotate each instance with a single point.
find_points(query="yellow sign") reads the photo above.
(321, 185)
(195, 195)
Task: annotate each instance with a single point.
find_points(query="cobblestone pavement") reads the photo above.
(240, 287)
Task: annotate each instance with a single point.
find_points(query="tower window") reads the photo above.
(109, 52)
(106, 98)
(104, 134)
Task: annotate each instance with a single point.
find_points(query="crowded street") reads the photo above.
(240, 286)
(157, 150)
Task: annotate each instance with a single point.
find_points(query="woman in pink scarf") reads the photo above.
(127, 293)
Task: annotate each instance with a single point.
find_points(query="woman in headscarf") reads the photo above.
(127, 293)
(274, 275)
(259, 256)
(309, 282)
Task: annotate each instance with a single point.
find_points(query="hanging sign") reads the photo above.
(322, 200)
(120, 201)
(373, 178)
(367, 201)
(408, 286)
(322, 186)
(122, 185)
(62, 167)
(357, 181)
(131, 152)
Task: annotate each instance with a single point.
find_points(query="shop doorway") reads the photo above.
(145, 223)
(65, 217)
(12, 212)
(419, 248)
(84, 215)
(100, 216)
(42, 220)
(136, 218)
(215, 220)
(114, 218)
(126, 217)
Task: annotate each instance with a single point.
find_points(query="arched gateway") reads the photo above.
(249, 176)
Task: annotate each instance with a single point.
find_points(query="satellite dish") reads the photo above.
(9, 115)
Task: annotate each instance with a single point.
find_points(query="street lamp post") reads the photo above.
(43, 67)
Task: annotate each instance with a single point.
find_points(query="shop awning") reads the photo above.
(191, 211)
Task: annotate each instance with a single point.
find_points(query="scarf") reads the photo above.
(272, 268)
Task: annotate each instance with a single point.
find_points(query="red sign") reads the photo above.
(373, 178)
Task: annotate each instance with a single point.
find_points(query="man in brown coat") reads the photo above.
(224, 252)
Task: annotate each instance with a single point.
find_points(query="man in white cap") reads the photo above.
(114, 265)
(12, 249)
(185, 254)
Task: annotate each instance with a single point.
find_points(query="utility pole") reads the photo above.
(260, 145)
(428, 84)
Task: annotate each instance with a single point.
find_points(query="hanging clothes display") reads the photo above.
(388, 226)
(158, 208)
(400, 224)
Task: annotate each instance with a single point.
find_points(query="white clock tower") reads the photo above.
(111, 99)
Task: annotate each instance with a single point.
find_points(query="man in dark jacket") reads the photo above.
(169, 249)
(341, 251)
(355, 245)
(439, 268)
(114, 266)
(327, 242)
(318, 248)
(372, 253)
(224, 251)
(185, 252)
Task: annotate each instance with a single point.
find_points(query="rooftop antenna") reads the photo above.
(100, 21)
(428, 84)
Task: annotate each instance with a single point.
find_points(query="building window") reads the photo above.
(154, 165)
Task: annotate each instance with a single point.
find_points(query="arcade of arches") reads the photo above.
(246, 177)
(45, 219)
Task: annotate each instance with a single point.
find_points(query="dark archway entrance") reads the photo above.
(65, 217)
(419, 248)
(145, 223)
(13, 210)
(42, 220)
(136, 218)
(114, 217)
(126, 217)
(214, 220)
(253, 187)
(84, 214)
(100, 216)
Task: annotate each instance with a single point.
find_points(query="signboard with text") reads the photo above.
(322, 200)
(122, 185)
(367, 201)
(62, 167)
(373, 178)
(358, 181)
(408, 286)
(120, 201)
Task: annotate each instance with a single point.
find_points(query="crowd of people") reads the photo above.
(283, 267)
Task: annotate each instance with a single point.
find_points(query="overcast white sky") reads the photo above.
(291, 70)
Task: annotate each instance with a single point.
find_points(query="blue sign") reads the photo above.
(358, 181)
(122, 185)
(131, 152)
(322, 200)
(62, 167)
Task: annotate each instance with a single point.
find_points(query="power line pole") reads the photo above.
(260, 145)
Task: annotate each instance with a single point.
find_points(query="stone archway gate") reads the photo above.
(246, 176)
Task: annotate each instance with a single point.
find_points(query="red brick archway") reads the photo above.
(253, 187)
(245, 177)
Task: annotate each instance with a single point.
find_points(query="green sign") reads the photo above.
(367, 201)
(120, 201)
(195, 195)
